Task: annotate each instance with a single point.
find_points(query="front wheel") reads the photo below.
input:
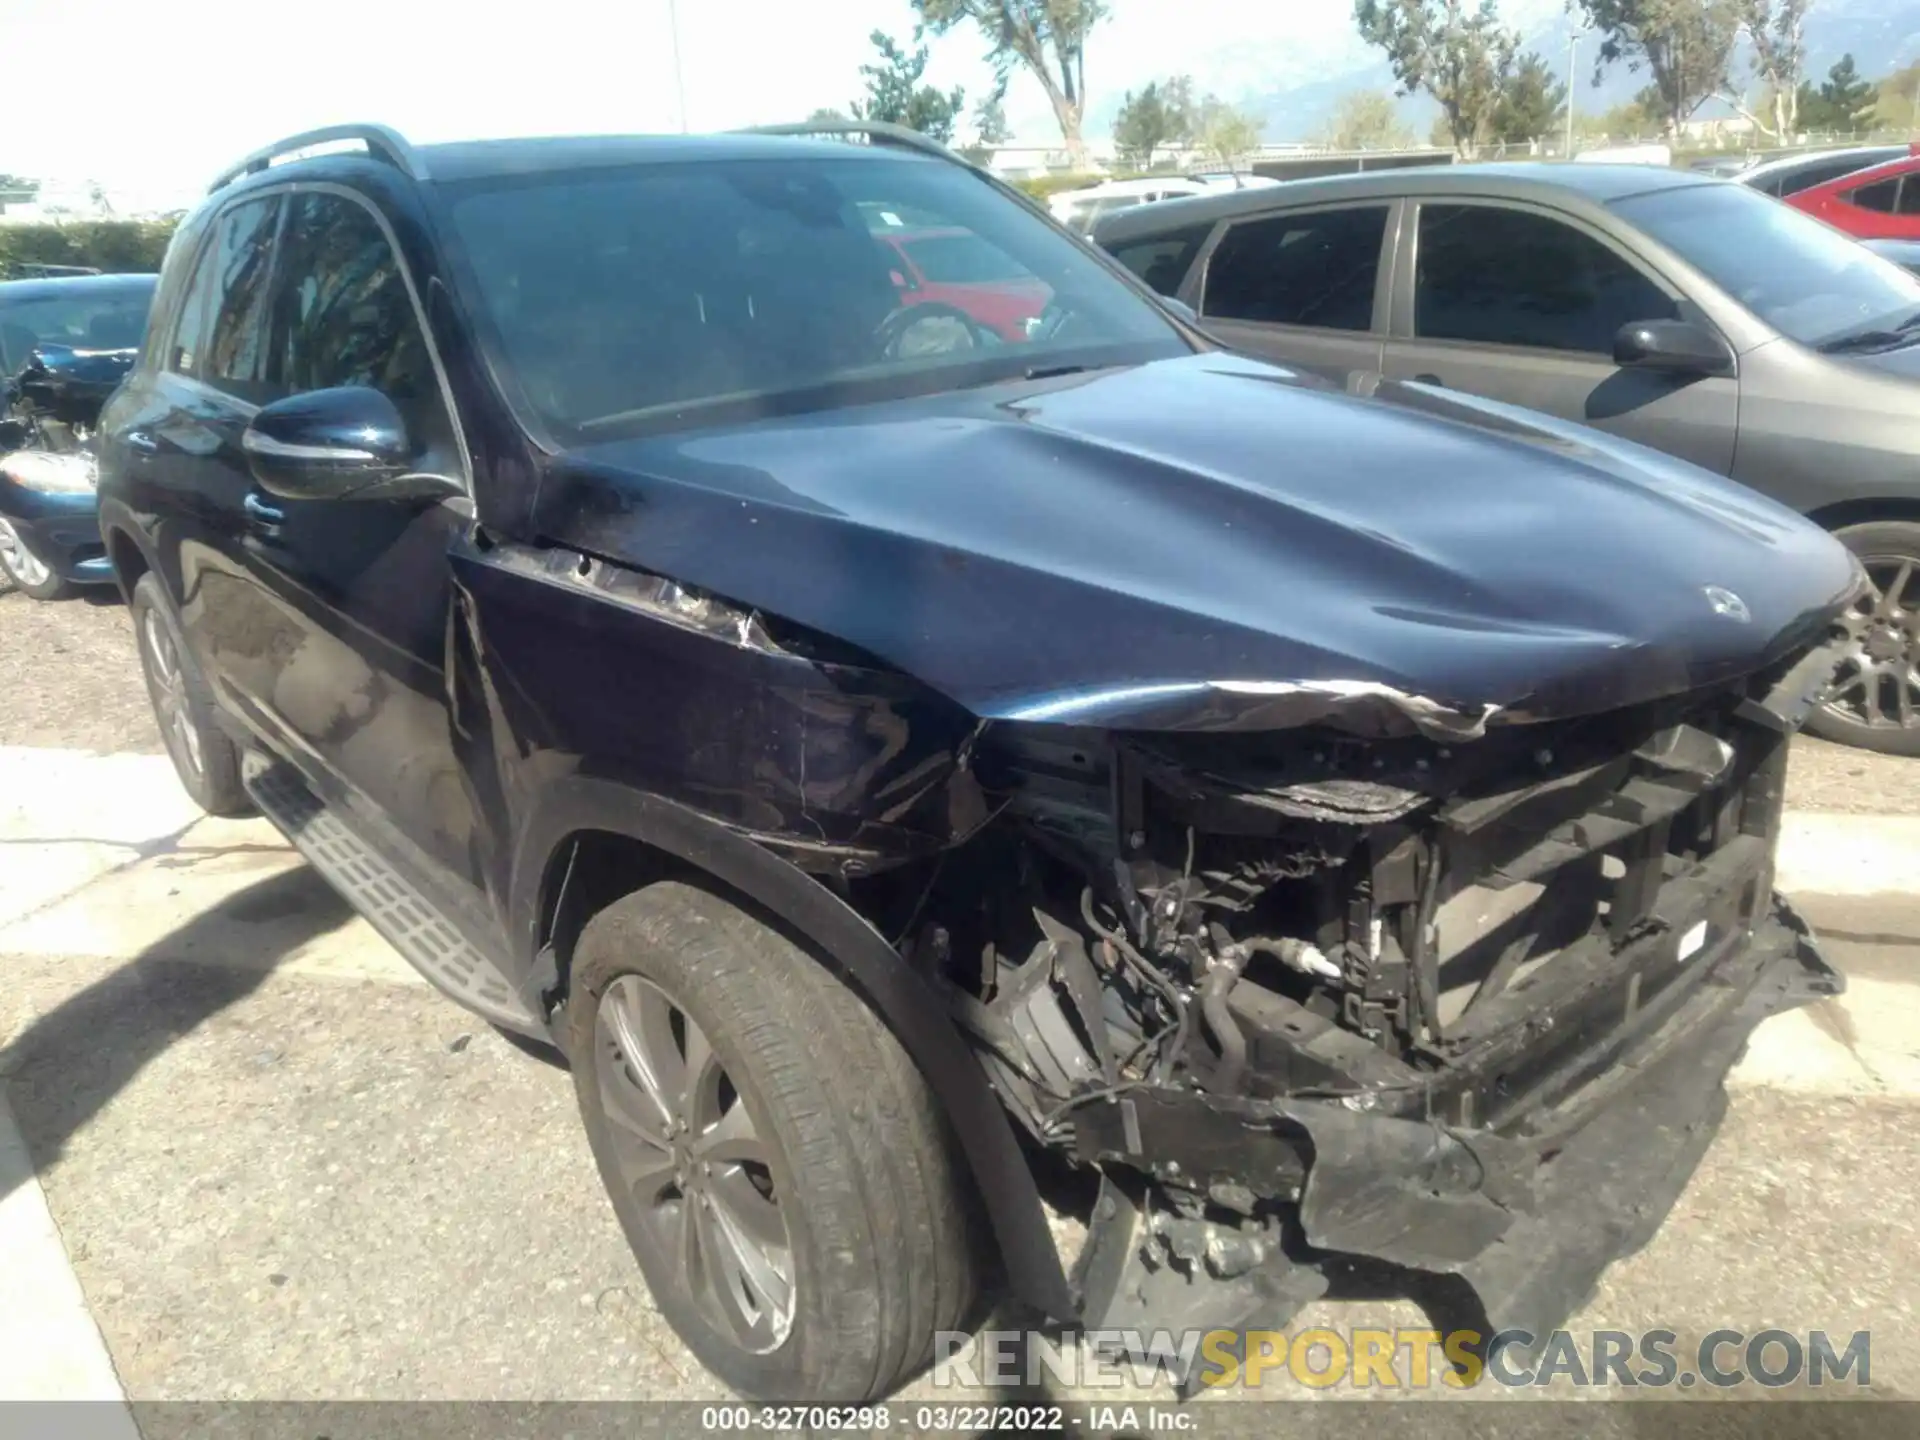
(25, 571)
(782, 1172)
(1875, 699)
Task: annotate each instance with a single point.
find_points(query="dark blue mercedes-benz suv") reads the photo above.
(878, 750)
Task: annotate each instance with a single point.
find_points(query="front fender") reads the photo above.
(569, 806)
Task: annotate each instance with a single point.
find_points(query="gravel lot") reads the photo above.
(68, 678)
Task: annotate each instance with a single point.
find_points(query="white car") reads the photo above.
(1079, 209)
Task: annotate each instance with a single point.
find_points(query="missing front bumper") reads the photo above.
(1522, 1218)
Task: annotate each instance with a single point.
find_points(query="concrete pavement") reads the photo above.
(281, 1167)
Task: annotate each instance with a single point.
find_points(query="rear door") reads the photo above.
(1521, 304)
(1305, 287)
(177, 431)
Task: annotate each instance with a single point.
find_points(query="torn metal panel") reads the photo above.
(842, 768)
(654, 595)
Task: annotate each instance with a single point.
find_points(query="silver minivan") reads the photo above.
(1692, 314)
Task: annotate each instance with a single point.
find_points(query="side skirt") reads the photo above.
(398, 905)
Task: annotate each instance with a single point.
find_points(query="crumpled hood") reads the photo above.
(1213, 542)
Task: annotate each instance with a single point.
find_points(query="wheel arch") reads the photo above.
(1843, 513)
(126, 547)
(625, 835)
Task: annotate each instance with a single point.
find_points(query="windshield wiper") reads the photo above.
(1878, 338)
(1050, 372)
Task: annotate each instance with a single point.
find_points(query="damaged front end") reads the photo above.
(1460, 1007)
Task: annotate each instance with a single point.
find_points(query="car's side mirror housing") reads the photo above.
(1678, 347)
(342, 444)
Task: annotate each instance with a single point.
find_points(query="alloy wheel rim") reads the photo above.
(690, 1156)
(1878, 683)
(25, 566)
(170, 693)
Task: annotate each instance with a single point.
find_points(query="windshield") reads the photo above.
(1807, 280)
(91, 317)
(670, 295)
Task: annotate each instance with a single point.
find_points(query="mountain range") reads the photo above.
(1293, 85)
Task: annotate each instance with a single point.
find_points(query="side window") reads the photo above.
(1508, 277)
(344, 317)
(190, 330)
(242, 255)
(1882, 196)
(1908, 202)
(1163, 260)
(1315, 269)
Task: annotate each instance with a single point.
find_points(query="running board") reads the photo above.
(393, 904)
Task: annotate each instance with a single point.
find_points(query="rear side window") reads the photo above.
(344, 317)
(242, 256)
(1882, 195)
(1163, 260)
(1316, 269)
(1510, 277)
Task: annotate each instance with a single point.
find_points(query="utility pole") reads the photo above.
(1573, 49)
(679, 75)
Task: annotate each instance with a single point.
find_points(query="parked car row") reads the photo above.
(1694, 315)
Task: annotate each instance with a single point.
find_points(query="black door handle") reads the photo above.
(261, 513)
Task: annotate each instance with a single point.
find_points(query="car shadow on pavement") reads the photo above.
(67, 1065)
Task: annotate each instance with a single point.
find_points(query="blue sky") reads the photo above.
(148, 107)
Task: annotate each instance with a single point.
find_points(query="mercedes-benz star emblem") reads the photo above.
(1725, 602)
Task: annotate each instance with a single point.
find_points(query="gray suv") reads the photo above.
(1694, 315)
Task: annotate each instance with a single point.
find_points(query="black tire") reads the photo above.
(207, 762)
(49, 586)
(1866, 709)
(860, 1161)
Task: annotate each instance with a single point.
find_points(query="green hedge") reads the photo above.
(115, 246)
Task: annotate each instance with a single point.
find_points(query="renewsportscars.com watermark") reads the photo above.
(1322, 1358)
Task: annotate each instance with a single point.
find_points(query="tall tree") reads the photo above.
(1776, 35)
(827, 115)
(1685, 46)
(1367, 120)
(1532, 102)
(1225, 133)
(1047, 37)
(1896, 100)
(1159, 115)
(895, 95)
(1844, 101)
(1455, 50)
(990, 126)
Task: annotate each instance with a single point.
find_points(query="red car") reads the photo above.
(1881, 202)
(956, 268)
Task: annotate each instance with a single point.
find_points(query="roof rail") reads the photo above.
(382, 143)
(876, 132)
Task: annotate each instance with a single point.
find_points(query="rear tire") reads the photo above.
(1875, 704)
(831, 1123)
(207, 762)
